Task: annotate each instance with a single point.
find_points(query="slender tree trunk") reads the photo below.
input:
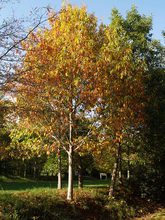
(34, 170)
(113, 179)
(70, 162)
(24, 168)
(128, 168)
(120, 170)
(115, 172)
(120, 164)
(24, 172)
(80, 173)
(70, 173)
(128, 174)
(59, 186)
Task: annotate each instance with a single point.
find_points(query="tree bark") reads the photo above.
(34, 170)
(120, 165)
(24, 172)
(115, 172)
(70, 173)
(128, 168)
(70, 161)
(80, 173)
(113, 179)
(59, 186)
(24, 168)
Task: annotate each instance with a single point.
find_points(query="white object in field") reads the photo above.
(103, 175)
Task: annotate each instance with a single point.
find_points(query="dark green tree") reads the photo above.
(151, 133)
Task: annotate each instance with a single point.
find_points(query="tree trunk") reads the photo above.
(70, 161)
(59, 186)
(24, 172)
(80, 173)
(70, 173)
(34, 170)
(128, 168)
(113, 179)
(24, 168)
(115, 172)
(120, 165)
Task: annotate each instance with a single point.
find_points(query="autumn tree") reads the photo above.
(139, 30)
(14, 31)
(58, 78)
(4, 134)
(121, 106)
(12, 34)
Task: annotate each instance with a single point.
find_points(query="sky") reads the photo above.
(101, 8)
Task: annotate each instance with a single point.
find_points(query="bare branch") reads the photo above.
(60, 142)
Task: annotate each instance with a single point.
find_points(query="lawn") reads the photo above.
(22, 198)
(21, 184)
(28, 199)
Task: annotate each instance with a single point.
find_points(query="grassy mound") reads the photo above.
(51, 204)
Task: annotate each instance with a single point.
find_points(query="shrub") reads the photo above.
(119, 210)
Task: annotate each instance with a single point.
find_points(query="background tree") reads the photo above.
(138, 28)
(51, 167)
(122, 102)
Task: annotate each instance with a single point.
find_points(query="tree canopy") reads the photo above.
(91, 90)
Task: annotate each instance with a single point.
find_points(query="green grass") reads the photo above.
(160, 215)
(157, 215)
(22, 184)
(48, 204)
(26, 198)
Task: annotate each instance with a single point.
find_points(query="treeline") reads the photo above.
(93, 93)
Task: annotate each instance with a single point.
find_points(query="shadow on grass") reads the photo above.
(20, 184)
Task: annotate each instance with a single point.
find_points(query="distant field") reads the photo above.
(21, 184)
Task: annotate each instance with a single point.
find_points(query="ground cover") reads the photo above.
(157, 215)
(22, 198)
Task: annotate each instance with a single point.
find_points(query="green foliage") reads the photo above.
(50, 167)
(25, 143)
(4, 133)
(119, 209)
(147, 148)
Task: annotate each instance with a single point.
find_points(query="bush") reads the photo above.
(119, 210)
